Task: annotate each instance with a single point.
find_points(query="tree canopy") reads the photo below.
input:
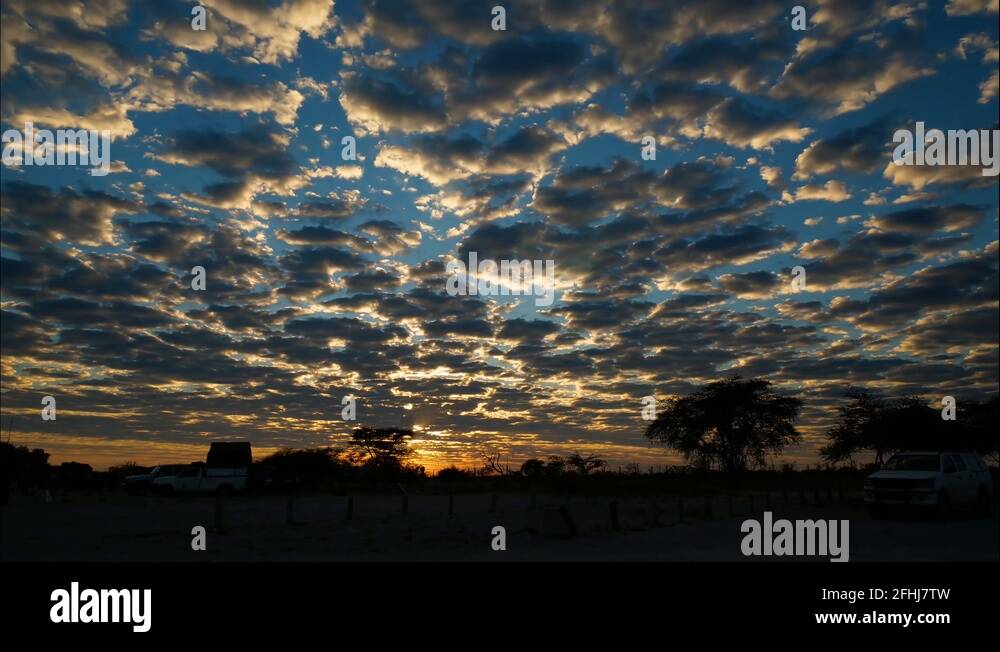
(382, 447)
(870, 422)
(731, 424)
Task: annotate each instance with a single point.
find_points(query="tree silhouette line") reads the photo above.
(735, 424)
(731, 425)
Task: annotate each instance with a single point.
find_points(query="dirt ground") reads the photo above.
(260, 528)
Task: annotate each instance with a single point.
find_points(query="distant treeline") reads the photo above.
(726, 428)
(337, 470)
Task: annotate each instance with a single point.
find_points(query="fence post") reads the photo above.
(290, 511)
(350, 507)
(613, 511)
(532, 504)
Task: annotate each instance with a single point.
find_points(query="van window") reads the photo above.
(959, 464)
(949, 464)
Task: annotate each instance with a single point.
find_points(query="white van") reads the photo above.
(939, 480)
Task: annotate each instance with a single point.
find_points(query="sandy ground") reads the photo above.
(256, 528)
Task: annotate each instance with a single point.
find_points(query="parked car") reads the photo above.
(930, 480)
(226, 471)
(142, 482)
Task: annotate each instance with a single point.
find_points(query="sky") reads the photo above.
(326, 277)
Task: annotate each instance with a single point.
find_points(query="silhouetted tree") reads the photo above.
(869, 422)
(22, 466)
(382, 448)
(492, 463)
(584, 465)
(453, 473)
(533, 468)
(555, 466)
(858, 427)
(732, 423)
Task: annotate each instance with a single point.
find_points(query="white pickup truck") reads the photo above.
(226, 471)
(933, 480)
(203, 479)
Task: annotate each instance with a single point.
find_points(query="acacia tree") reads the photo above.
(383, 448)
(731, 424)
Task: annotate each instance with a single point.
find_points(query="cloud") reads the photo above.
(85, 217)
(737, 122)
(252, 161)
(585, 194)
(833, 190)
(271, 32)
(861, 150)
(919, 177)
(751, 285)
(166, 88)
(968, 7)
(929, 219)
(376, 106)
(852, 75)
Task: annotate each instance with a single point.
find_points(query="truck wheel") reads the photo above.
(226, 490)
